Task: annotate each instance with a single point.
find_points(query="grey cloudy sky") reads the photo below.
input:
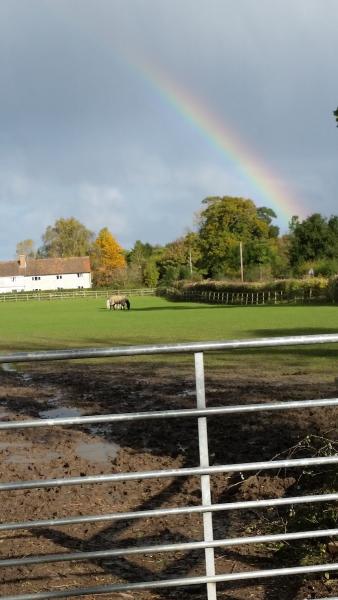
(84, 133)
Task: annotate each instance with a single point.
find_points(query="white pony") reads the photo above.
(118, 303)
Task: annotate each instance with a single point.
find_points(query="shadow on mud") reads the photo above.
(232, 439)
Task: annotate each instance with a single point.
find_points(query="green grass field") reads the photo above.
(76, 323)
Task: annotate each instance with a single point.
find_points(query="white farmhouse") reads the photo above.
(38, 274)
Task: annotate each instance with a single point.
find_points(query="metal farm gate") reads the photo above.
(203, 470)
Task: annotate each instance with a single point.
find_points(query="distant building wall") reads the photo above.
(44, 274)
(10, 284)
(68, 281)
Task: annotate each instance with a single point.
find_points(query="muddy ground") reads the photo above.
(78, 389)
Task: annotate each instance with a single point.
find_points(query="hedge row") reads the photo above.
(309, 289)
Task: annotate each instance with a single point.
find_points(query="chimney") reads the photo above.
(22, 261)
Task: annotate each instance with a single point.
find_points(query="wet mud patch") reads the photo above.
(51, 391)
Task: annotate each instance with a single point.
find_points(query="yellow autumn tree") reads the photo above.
(108, 259)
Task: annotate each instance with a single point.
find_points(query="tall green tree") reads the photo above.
(180, 256)
(226, 221)
(67, 237)
(314, 238)
(140, 253)
(333, 235)
(280, 263)
(267, 215)
(151, 273)
(142, 263)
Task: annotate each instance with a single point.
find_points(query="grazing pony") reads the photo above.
(118, 303)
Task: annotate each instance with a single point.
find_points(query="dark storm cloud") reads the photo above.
(83, 133)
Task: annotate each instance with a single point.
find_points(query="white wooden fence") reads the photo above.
(68, 294)
(244, 298)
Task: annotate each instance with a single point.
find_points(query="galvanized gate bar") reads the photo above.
(235, 468)
(205, 479)
(204, 471)
(76, 353)
(160, 512)
(170, 414)
(186, 581)
(179, 547)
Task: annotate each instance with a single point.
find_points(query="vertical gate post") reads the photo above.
(205, 479)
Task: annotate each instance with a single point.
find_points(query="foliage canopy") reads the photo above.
(224, 223)
(67, 237)
(26, 247)
(107, 258)
(314, 238)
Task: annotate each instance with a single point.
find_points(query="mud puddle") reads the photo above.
(60, 412)
(98, 452)
(91, 450)
(77, 390)
(21, 454)
(8, 368)
(11, 368)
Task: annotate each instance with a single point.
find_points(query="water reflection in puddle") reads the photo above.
(60, 412)
(8, 367)
(98, 452)
(21, 454)
(186, 393)
(26, 377)
(11, 368)
(92, 451)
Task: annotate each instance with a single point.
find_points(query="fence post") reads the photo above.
(205, 479)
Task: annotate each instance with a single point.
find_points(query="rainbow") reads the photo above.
(267, 184)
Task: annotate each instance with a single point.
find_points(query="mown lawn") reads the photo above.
(73, 323)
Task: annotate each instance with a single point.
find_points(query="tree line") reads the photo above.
(211, 251)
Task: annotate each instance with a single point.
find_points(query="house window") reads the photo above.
(13, 278)
(36, 278)
(80, 274)
(59, 277)
(80, 287)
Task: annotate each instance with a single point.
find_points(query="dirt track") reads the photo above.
(64, 452)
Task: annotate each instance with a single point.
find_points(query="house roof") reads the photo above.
(45, 266)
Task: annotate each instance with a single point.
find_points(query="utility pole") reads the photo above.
(241, 258)
(190, 261)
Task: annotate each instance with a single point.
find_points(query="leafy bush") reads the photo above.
(313, 515)
(333, 289)
(304, 516)
(150, 274)
(291, 289)
(321, 268)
